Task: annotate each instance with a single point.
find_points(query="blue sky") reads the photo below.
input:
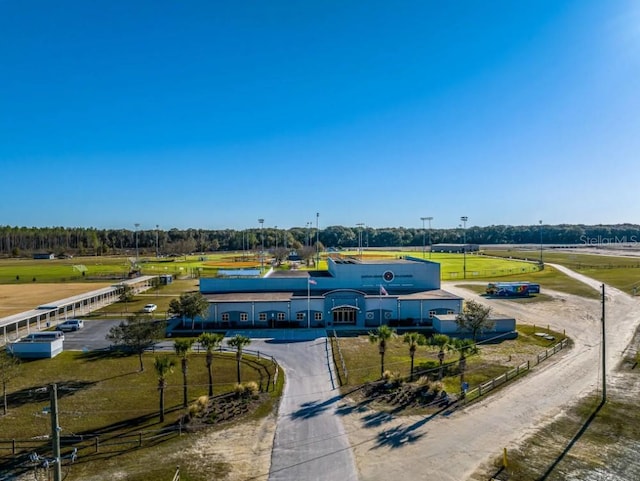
(213, 114)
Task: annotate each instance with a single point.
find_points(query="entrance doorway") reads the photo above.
(345, 315)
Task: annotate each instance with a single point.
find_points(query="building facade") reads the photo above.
(351, 293)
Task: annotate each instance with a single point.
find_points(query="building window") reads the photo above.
(263, 316)
(300, 316)
(244, 316)
(225, 317)
(450, 312)
(281, 316)
(431, 314)
(318, 316)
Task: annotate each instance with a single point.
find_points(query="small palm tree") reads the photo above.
(414, 339)
(182, 348)
(163, 366)
(465, 347)
(380, 337)
(441, 342)
(239, 341)
(210, 341)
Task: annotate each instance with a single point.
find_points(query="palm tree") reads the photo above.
(163, 366)
(239, 341)
(414, 339)
(380, 336)
(442, 342)
(210, 341)
(182, 348)
(465, 346)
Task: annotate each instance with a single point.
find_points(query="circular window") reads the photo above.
(388, 276)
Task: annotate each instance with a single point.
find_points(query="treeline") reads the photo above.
(17, 241)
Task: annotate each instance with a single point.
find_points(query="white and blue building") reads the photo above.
(351, 293)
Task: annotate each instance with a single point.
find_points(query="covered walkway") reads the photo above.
(50, 314)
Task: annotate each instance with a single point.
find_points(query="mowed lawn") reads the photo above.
(98, 389)
(362, 359)
(102, 395)
(620, 272)
(58, 279)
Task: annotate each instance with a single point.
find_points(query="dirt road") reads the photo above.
(452, 447)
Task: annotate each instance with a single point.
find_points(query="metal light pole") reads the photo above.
(429, 219)
(423, 235)
(276, 229)
(540, 242)
(137, 225)
(360, 225)
(317, 240)
(157, 250)
(464, 220)
(261, 221)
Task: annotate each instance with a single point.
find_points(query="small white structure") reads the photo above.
(36, 348)
(503, 327)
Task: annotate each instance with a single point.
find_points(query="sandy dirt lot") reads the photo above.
(452, 447)
(23, 297)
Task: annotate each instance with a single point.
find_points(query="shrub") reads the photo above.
(238, 389)
(437, 387)
(251, 389)
(198, 406)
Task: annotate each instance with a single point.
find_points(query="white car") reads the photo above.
(149, 308)
(71, 325)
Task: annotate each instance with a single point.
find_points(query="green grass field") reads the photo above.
(363, 360)
(94, 268)
(104, 394)
(620, 272)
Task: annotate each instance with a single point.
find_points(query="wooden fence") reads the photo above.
(488, 386)
(342, 363)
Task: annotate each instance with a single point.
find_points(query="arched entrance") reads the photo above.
(345, 314)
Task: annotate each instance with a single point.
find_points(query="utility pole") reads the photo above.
(604, 352)
(55, 433)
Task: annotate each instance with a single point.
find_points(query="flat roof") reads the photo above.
(434, 294)
(249, 296)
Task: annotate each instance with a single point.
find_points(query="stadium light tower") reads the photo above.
(540, 243)
(261, 221)
(429, 219)
(423, 235)
(360, 225)
(275, 227)
(157, 251)
(137, 225)
(317, 240)
(464, 220)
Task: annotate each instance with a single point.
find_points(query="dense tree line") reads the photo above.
(17, 241)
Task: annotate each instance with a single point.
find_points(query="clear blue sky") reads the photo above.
(213, 114)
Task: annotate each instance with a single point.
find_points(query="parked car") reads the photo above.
(71, 325)
(149, 308)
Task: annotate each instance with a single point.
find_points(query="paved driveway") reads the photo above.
(310, 441)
